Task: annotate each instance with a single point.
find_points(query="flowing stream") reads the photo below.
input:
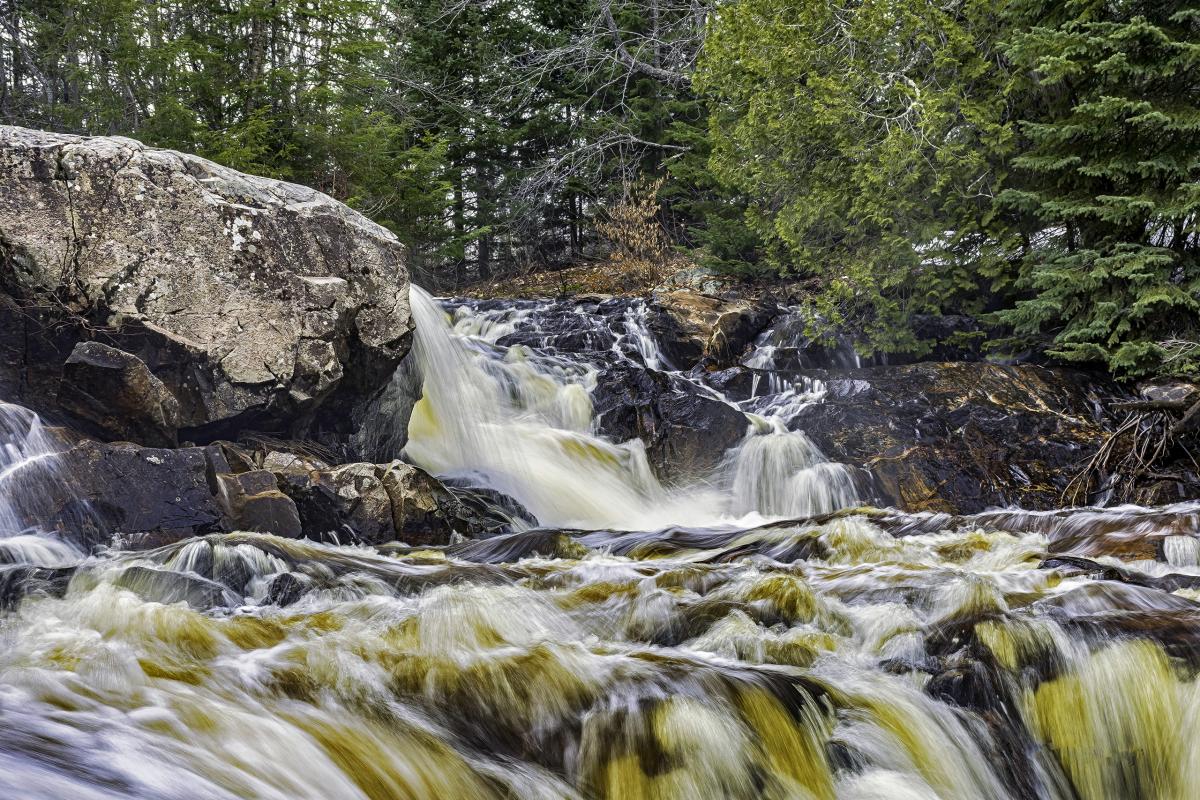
(750, 632)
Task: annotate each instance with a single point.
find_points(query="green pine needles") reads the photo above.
(1107, 173)
(1038, 161)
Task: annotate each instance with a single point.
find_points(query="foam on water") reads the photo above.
(855, 655)
(522, 422)
(793, 660)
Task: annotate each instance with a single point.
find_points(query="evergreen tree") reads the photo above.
(1107, 183)
(864, 138)
(284, 88)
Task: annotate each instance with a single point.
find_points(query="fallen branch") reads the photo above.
(1187, 420)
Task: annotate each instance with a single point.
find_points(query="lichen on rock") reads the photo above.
(250, 298)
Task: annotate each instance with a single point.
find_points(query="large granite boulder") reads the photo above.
(251, 300)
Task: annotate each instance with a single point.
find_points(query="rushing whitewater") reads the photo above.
(749, 634)
(29, 470)
(522, 423)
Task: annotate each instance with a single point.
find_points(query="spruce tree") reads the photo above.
(1107, 184)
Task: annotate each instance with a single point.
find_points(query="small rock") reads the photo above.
(692, 327)
(1169, 391)
(284, 589)
(253, 502)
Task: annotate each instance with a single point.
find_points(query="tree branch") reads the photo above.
(636, 65)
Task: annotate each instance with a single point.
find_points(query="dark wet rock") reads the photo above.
(792, 342)
(493, 512)
(259, 304)
(693, 327)
(130, 490)
(571, 333)
(117, 393)
(737, 383)
(18, 581)
(1126, 533)
(346, 504)
(323, 568)
(692, 435)
(33, 346)
(253, 502)
(424, 510)
(959, 437)
(1076, 566)
(382, 424)
(1083, 534)
(972, 679)
(686, 434)
(284, 589)
(168, 586)
(672, 541)
(1106, 609)
(377, 503)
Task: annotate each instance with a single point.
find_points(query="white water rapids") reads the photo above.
(524, 425)
(692, 641)
(28, 471)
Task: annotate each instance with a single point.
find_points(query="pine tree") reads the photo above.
(1108, 180)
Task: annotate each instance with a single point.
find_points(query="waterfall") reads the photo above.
(26, 464)
(521, 422)
(492, 414)
(694, 643)
(31, 485)
(781, 473)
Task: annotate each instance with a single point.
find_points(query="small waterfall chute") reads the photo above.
(781, 473)
(32, 485)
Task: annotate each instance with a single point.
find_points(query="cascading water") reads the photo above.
(863, 655)
(781, 473)
(29, 474)
(522, 422)
(26, 462)
(522, 426)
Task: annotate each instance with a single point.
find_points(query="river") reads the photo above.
(754, 631)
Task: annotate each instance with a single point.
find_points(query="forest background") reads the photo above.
(1034, 165)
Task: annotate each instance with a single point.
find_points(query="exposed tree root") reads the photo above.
(1135, 450)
